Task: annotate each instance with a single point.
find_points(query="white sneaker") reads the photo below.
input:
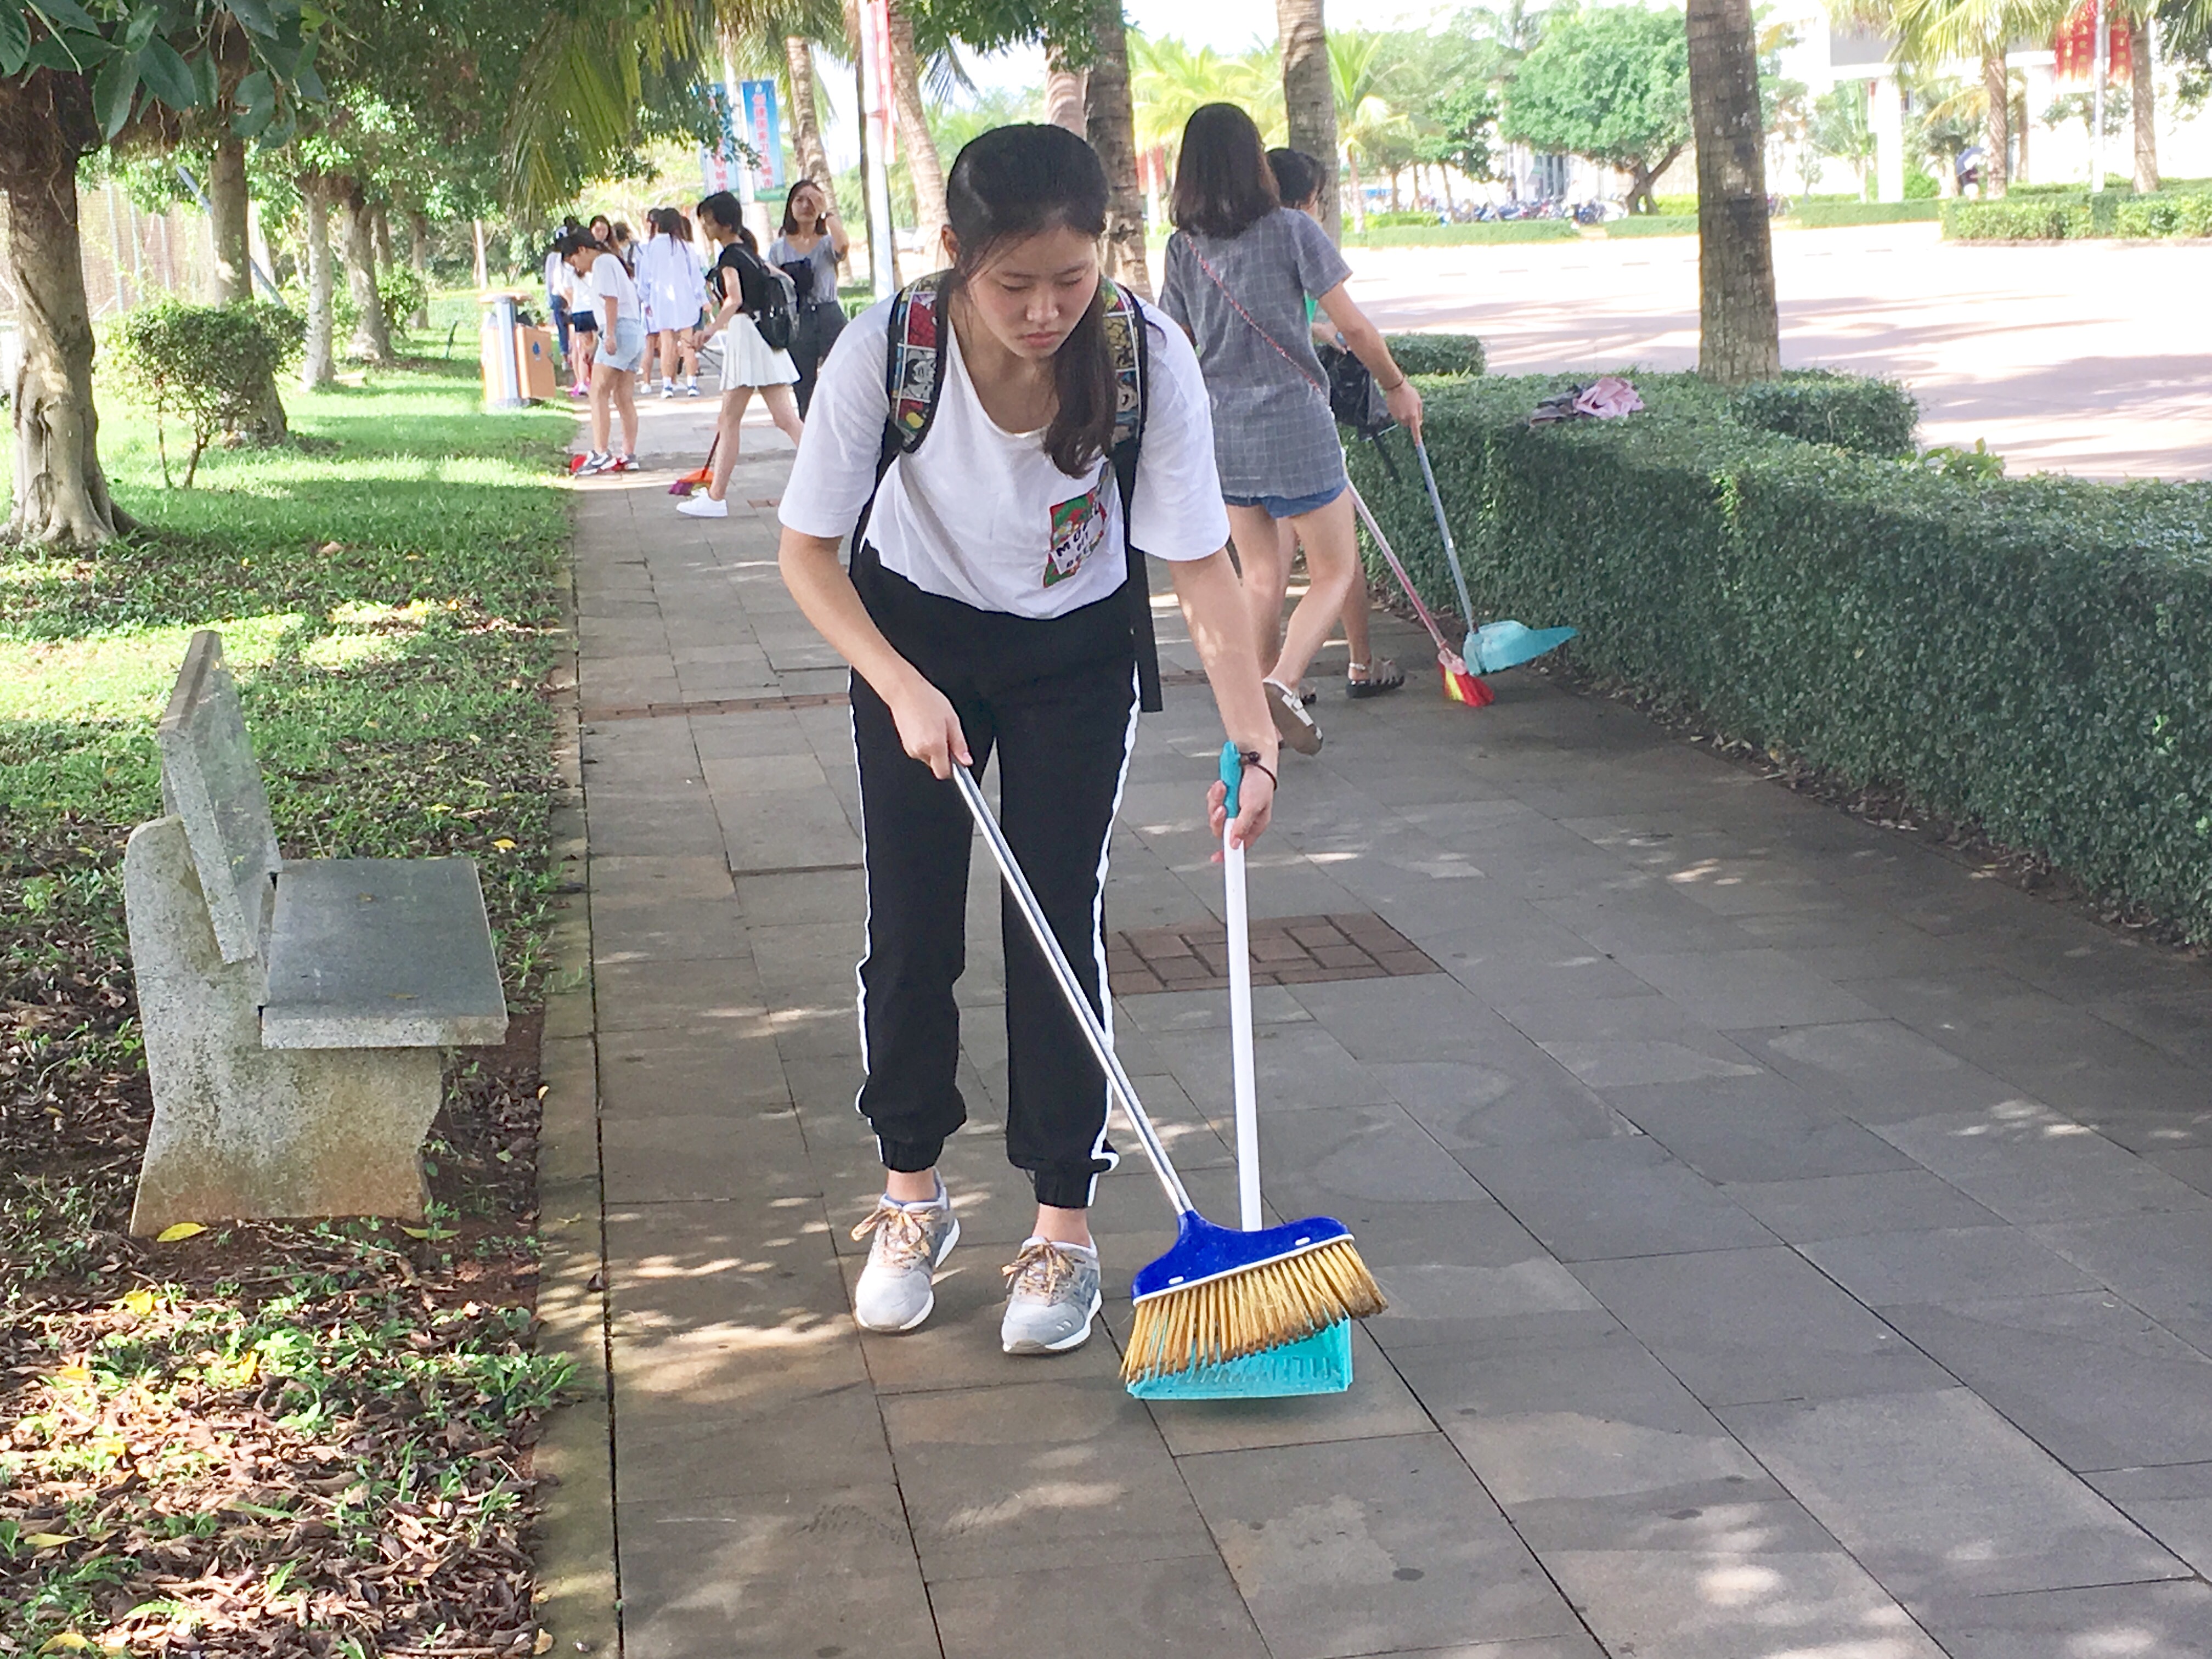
(1054, 1298)
(691, 388)
(668, 389)
(596, 461)
(702, 507)
(911, 1239)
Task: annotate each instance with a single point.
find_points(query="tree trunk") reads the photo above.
(806, 112)
(317, 364)
(2143, 98)
(226, 201)
(1740, 335)
(61, 493)
(372, 339)
(1109, 121)
(379, 224)
(1996, 142)
(1066, 98)
(1310, 102)
(418, 255)
(923, 164)
(1359, 195)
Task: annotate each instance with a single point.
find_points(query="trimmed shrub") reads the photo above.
(1484, 230)
(2179, 214)
(1437, 354)
(1867, 416)
(2030, 654)
(1676, 206)
(2018, 218)
(1653, 224)
(2053, 213)
(1827, 215)
(1384, 220)
(213, 367)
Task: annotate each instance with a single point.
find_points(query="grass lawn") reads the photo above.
(276, 1439)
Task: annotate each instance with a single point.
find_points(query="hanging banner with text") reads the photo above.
(739, 160)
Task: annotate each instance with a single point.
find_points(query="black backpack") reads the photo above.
(768, 299)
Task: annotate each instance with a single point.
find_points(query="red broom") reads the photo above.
(702, 477)
(1459, 685)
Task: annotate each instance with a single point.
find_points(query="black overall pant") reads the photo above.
(1055, 699)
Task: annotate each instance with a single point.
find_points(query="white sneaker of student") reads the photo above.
(911, 1239)
(701, 507)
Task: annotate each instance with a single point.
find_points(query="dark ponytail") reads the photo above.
(1015, 182)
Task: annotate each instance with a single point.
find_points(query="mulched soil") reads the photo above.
(264, 1439)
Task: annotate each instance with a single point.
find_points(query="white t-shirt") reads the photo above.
(981, 515)
(557, 278)
(608, 281)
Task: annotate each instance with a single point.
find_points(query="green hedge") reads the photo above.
(2031, 654)
(1486, 230)
(2047, 215)
(1827, 215)
(1437, 354)
(1653, 224)
(1867, 416)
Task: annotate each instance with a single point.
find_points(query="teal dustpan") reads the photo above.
(1500, 645)
(1494, 646)
(1320, 1364)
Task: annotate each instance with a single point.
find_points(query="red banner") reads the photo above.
(2075, 45)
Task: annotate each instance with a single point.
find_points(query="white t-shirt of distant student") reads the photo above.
(980, 514)
(608, 281)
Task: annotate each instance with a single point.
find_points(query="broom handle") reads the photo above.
(1240, 1012)
(1428, 621)
(1086, 1017)
(1444, 529)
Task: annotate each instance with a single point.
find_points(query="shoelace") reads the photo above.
(905, 1235)
(1040, 1270)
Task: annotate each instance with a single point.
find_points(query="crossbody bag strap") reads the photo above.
(1214, 277)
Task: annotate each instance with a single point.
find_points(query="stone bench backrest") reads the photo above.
(209, 779)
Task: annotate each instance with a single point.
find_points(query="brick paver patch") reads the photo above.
(1286, 950)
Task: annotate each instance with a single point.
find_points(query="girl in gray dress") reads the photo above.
(1239, 268)
(811, 243)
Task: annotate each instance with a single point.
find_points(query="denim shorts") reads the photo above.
(626, 350)
(1289, 507)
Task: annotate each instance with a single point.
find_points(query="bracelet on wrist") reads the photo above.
(1250, 760)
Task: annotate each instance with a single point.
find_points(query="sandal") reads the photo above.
(1382, 676)
(1292, 724)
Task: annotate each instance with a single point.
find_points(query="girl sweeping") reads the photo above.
(1240, 267)
(988, 605)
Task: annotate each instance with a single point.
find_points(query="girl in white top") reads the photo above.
(622, 347)
(985, 608)
(672, 289)
(740, 285)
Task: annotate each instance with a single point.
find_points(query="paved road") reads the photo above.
(2089, 358)
(1796, 1245)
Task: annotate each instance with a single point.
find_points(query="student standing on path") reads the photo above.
(1239, 268)
(808, 248)
(739, 283)
(1298, 177)
(672, 287)
(622, 348)
(986, 609)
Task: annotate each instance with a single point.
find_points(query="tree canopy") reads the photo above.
(1611, 85)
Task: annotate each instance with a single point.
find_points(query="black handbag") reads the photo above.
(1353, 397)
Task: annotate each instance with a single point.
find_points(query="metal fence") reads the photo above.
(130, 255)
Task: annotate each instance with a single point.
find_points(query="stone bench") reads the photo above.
(295, 1012)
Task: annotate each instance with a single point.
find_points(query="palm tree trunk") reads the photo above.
(2144, 99)
(1740, 336)
(61, 493)
(317, 364)
(1997, 144)
(1359, 195)
(1109, 120)
(372, 339)
(1064, 96)
(227, 203)
(806, 112)
(1309, 100)
(924, 166)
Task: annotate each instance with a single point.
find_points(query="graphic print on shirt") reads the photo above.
(1079, 526)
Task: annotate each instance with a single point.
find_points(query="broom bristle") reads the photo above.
(1249, 1311)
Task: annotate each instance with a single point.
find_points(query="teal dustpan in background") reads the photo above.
(1498, 645)
(1494, 646)
(1322, 1363)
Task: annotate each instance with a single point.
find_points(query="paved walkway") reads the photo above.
(1797, 1245)
(2082, 358)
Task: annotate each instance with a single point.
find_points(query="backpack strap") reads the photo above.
(911, 379)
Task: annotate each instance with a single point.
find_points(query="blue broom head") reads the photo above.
(1320, 1364)
(1502, 645)
(1203, 1251)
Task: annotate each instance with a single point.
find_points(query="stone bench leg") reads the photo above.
(241, 1132)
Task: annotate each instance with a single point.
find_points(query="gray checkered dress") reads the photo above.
(1272, 433)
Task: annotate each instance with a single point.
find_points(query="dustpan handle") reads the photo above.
(1444, 529)
(1236, 915)
(1071, 989)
